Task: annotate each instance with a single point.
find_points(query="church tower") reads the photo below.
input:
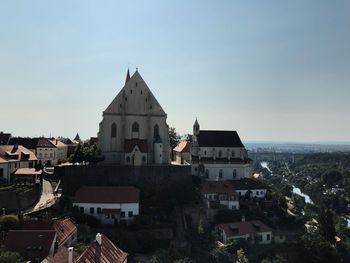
(134, 129)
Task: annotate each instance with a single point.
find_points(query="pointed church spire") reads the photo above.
(127, 76)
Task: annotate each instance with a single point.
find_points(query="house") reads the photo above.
(255, 232)
(42, 147)
(219, 193)
(134, 117)
(61, 152)
(67, 231)
(34, 245)
(13, 157)
(109, 204)
(182, 152)
(27, 176)
(219, 155)
(103, 250)
(251, 187)
(62, 255)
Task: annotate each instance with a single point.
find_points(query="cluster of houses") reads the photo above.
(52, 241)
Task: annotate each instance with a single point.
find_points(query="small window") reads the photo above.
(144, 159)
(141, 91)
(207, 173)
(130, 214)
(268, 237)
(127, 159)
(205, 152)
(126, 99)
(220, 153)
(114, 130)
(136, 84)
(122, 214)
(135, 127)
(131, 91)
(98, 210)
(146, 99)
(81, 209)
(120, 105)
(92, 210)
(221, 173)
(160, 155)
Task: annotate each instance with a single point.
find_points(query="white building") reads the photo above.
(13, 157)
(219, 155)
(219, 193)
(134, 129)
(254, 232)
(109, 204)
(60, 151)
(248, 187)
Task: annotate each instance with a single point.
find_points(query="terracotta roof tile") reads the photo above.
(107, 194)
(61, 256)
(222, 187)
(64, 229)
(183, 146)
(28, 171)
(13, 153)
(107, 252)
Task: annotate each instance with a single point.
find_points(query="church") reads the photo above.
(133, 130)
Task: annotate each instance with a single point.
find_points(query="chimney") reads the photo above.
(99, 238)
(70, 254)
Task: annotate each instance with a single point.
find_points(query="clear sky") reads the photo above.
(272, 70)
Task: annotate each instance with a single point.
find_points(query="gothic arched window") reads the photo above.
(220, 153)
(156, 131)
(114, 130)
(135, 127)
(221, 173)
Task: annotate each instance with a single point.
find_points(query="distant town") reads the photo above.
(140, 192)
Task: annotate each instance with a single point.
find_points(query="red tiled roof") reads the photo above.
(61, 256)
(28, 171)
(13, 153)
(64, 229)
(107, 194)
(107, 252)
(183, 146)
(244, 228)
(30, 244)
(213, 187)
(129, 145)
(247, 184)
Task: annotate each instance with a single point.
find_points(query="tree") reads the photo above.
(9, 257)
(9, 222)
(327, 225)
(161, 256)
(241, 257)
(174, 137)
(277, 259)
(184, 260)
(222, 255)
(86, 153)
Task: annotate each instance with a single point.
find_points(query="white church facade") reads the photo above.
(134, 129)
(219, 155)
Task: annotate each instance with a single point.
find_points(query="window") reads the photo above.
(221, 173)
(207, 173)
(136, 84)
(234, 173)
(268, 237)
(92, 210)
(220, 153)
(160, 155)
(156, 132)
(141, 91)
(205, 152)
(126, 99)
(120, 105)
(81, 209)
(122, 214)
(114, 130)
(127, 159)
(144, 159)
(130, 214)
(98, 210)
(135, 127)
(131, 91)
(234, 207)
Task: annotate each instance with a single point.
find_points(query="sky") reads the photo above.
(272, 70)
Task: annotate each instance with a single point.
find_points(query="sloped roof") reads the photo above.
(183, 146)
(107, 252)
(107, 194)
(129, 145)
(30, 243)
(64, 229)
(61, 256)
(32, 143)
(247, 184)
(22, 153)
(220, 187)
(213, 138)
(244, 228)
(36, 225)
(28, 171)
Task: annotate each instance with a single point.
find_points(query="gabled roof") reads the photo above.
(4, 138)
(244, 228)
(57, 143)
(107, 252)
(19, 153)
(212, 138)
(61, 256)
(64, 229)
(107, 194)
(135, 98)
(247, 184)
(30, 244)
(183, 146)
(218, 187)
(130, 144)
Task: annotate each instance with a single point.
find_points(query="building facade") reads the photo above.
(133, 130)
(219, 155)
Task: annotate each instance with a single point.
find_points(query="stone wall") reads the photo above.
(143, 177)
(14, 201)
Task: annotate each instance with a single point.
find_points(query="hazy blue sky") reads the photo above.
(272, 70)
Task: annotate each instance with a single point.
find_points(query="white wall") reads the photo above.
(260, 193)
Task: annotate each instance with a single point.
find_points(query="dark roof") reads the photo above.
(32, 143)
(247, 184)
(129, 145)
(219, 139)
(244, 228)
(104, 253)
(107, 194)
(30, 244)
(36, 225)
(4, 138)
(219, 187)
